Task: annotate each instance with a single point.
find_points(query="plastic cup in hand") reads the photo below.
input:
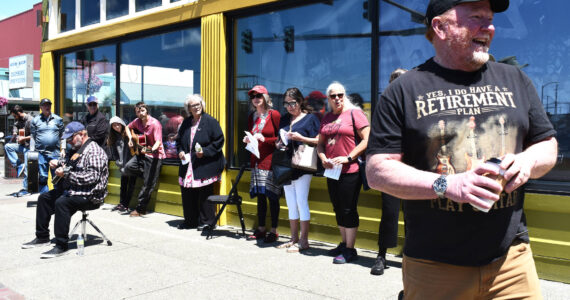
(494, 164)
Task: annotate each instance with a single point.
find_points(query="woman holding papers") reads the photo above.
(263, 125)
(339, 148)
(200, 142)
(301, 127)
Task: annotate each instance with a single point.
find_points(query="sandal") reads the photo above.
(286, 245)
(298, 248)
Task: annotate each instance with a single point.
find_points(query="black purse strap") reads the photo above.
(357, 138)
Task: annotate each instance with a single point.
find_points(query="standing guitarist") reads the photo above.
(20, 143)
(149, 160)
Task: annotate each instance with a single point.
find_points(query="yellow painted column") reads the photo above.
(47, 85)
(47, 76)
(213, 80)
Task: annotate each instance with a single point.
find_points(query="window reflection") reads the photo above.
(298, 48)
(161, 70)
(141, 5)
(90, 12)
(402, 41)
(66, 15)
(534, 37)
(117, 8)
(89, 72)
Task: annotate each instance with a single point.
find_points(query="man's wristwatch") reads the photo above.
(349, 158)
(440, 186)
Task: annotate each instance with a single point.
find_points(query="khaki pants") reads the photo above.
(510, 277)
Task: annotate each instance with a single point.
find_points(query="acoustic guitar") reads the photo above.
(140, 145)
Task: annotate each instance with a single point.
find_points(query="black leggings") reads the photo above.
(388, 231)
(344, 194)
(262, 210)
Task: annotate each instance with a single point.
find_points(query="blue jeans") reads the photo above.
(43, 163)
(12, 150)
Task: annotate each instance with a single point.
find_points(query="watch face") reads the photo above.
(440, 185)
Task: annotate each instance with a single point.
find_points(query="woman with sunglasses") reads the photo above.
(199, 144)
(338, 145)
(95, 122)
(302, 127)
(263, 125)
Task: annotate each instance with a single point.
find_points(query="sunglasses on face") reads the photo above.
(195, 106)
(291, 104)
(92, 104)
(258, 96)
(339, 95)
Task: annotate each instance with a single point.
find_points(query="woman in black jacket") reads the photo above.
(199, 143)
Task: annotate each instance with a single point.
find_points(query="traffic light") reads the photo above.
(366, 13)
(247, 41)
(289, 39)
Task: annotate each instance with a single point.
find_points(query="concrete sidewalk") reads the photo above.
(151, 259)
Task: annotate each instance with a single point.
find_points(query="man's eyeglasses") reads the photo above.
(195, 106)
(92, 104)
(258, 96)
(339, 95)
(291, 104)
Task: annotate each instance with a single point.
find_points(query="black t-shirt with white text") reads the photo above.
(448, 121)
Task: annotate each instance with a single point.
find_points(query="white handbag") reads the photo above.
(305, 158)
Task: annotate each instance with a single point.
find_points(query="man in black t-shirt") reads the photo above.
(432, 132)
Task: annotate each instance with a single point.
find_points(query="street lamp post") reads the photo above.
(542, 90)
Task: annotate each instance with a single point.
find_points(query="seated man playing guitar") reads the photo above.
(148, 161)
(20, 143)
(83, 186)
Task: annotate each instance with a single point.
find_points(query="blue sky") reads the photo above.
(13, 7)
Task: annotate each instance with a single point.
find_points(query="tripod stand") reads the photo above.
(83, 223)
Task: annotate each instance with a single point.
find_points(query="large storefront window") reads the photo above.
(161, 70)
(402, 41)
(299, 48)
(89, 72)
(535, 37)
(66, 15)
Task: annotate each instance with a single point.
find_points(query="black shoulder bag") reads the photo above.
(361, 161)
(281, 162)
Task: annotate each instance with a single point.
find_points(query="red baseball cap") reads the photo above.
(317, 95)
(260, 89)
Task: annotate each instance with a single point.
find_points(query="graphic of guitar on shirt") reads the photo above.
(502, 133)
(472, 160)
(444, 165)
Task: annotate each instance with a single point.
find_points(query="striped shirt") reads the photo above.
(90, 175)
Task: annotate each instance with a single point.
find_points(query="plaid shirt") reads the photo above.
(90, 175)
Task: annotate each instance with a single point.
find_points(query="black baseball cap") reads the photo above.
(45, 101)
(438, 7)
